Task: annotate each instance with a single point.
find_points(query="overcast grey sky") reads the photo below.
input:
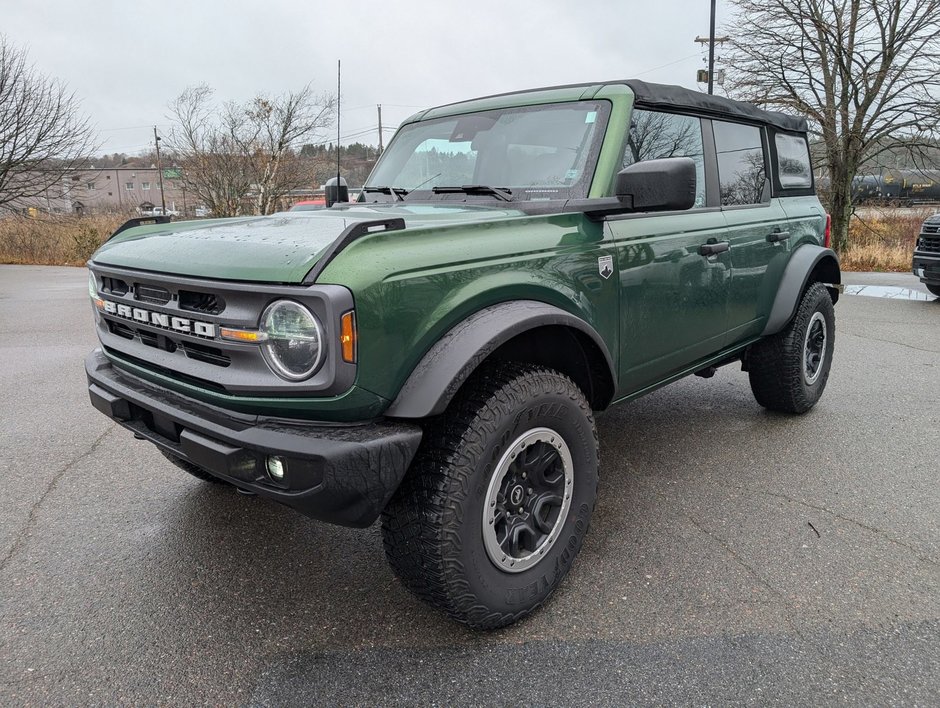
(127, 60)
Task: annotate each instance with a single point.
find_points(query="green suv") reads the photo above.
(433, 355)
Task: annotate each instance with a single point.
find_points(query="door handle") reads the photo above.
(710, 249)
(778, 235)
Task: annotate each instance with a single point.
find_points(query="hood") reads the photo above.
(281, 248)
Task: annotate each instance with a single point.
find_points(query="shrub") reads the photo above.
(53, 240)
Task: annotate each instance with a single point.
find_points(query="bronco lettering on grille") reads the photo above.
(158, 319)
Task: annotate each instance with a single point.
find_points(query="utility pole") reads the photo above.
(707, 76)
(156, 141)
(380, 128)
(711, 51)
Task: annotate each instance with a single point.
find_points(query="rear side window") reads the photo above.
(793, 165)
(741, 170)
(655, 135)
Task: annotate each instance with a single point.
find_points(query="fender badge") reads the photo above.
(605, 266)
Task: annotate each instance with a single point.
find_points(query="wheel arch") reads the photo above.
(522, 330)
(808, 264)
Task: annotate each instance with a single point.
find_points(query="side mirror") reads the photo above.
(657, 185)
(336, 191)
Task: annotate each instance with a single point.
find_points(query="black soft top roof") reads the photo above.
(658, 97)
(663, 96)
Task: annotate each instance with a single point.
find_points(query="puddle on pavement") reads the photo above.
(888, 291)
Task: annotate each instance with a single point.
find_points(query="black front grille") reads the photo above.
(210, 355)
(121, 330)
(927, 244)
(199, 352)
(157, 341)
(151, 293)
(931, 229)
(115, 286)
(208, 303)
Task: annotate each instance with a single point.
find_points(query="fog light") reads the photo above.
(276, 467)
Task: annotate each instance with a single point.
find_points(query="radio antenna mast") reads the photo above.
(338, 85)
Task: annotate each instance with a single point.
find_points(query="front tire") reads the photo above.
(498, 500)
(933, 288)
(788, 371)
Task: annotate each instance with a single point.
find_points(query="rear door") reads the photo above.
(757, 226)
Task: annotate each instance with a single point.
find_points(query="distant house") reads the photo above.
(113, 190)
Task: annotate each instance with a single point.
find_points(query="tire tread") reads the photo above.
(418, 525)
(775, 363)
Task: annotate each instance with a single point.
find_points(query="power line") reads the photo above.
(134, 127)
(672, 63)
(124, 148)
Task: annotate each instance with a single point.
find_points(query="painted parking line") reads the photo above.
(888, 291)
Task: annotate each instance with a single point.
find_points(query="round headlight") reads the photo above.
(293, 348)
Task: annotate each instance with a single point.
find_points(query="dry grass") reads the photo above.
(883, 239)
(54, 240)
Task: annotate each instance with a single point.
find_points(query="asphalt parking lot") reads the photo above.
(735, 556)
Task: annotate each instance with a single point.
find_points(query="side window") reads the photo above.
(741, 171)
(656, 135)
(793, 166)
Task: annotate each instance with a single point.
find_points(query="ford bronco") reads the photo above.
(433, 355)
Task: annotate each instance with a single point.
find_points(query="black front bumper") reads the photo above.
(927, 267)
(343, 474)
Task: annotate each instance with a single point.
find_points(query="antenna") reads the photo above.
(338, 94)
(335, 188)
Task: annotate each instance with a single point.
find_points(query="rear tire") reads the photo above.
(192, 469)
(934, 288)
(788, 371)
(498, 500)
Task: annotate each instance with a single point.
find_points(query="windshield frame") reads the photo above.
(529, 194)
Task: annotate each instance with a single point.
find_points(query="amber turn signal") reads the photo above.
(347, 336)
(242, 335)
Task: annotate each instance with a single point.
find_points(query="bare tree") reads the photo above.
(231, 153)
(863, 71)
(43, 135)
(281, 125)
(207, 146)
(657, 135)
(746, 184)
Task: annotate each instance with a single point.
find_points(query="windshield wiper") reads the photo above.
(398, 192)
(503, 194)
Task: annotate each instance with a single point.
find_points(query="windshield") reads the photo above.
(532, 152)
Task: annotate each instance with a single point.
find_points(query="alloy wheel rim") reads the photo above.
(528, 500)
(814, 348)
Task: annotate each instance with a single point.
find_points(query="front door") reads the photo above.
(674, 268)
(674, 276)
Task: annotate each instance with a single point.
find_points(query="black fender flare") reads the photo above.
(451, 360)
(805, 259)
